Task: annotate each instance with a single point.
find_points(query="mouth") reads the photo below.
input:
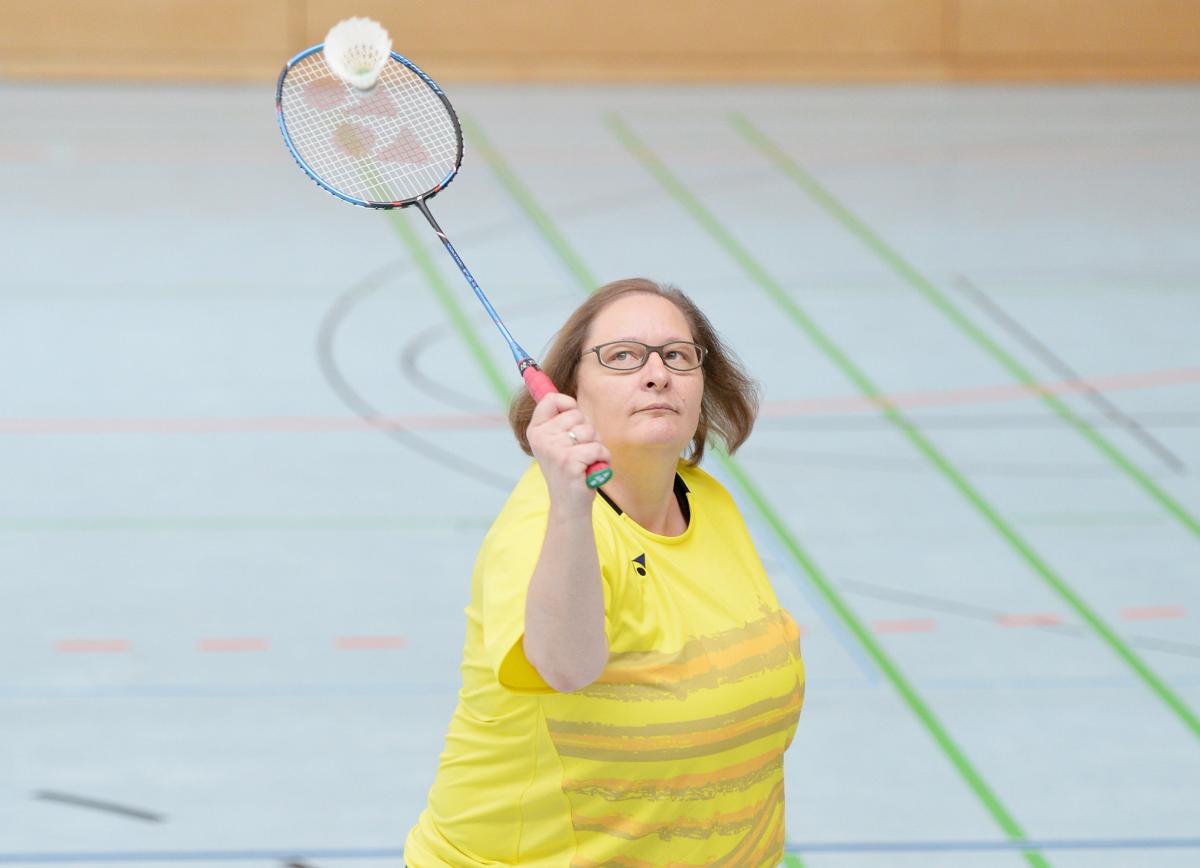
(659, 407)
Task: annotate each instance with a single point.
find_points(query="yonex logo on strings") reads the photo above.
(358, 139)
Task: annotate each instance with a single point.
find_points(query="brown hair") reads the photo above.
(730, 403)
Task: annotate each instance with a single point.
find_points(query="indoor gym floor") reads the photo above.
(251, 440)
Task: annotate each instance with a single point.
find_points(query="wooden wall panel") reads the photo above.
(618, 40)
(1122, 30)
(657, 27)
(656, 40)
(219, 39)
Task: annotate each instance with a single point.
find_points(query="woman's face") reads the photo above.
(653, 407)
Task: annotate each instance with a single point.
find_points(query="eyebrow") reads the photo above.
(640, 341)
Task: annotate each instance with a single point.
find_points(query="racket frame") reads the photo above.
(536, 380)
(308, 170)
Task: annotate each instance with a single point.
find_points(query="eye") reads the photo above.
(620, 355)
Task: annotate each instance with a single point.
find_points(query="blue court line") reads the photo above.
(982, 846)
(814, 847)
(829, 684)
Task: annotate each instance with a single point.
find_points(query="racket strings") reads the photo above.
(391, 144)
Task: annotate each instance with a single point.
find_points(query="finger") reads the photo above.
(584, 433)
(563, 422)
(554, 434)
(550, 406)
(587, 454)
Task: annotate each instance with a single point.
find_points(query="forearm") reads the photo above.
(564, 607)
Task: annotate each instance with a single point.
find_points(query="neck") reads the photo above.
(643, 485)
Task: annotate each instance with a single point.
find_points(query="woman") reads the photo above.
(630, 682)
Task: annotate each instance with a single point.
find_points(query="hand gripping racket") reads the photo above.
(395, 144)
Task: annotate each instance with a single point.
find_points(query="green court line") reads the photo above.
(794, 312)
(939, 734)
(445, 295)
(906, 271)
(791, 860)
(875, 650)
(517, 190)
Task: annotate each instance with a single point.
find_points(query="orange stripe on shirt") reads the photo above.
(735, 778)
(646, 753)
(696, 829)
(721, 650)
(770, 643)
(771, 814)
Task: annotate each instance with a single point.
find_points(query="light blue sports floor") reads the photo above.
(250, 442)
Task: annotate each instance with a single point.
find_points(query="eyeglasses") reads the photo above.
(632, 355)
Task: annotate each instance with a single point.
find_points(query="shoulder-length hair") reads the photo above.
(730, 403)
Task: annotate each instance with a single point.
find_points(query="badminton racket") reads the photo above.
(368, 126)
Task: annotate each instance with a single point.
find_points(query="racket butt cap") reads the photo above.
(598, 474)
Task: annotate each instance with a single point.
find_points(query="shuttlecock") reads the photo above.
(356, 49)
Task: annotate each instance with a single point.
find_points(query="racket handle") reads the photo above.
(540, 386)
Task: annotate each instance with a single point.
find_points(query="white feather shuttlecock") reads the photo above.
(356, 50)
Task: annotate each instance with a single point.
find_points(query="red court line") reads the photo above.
(983, 394)
(92, 646)
(237, 644)
(1152, 613)
(910, 625)
(370, 643)
(1028, 619)
(459, 421)
(242, 424)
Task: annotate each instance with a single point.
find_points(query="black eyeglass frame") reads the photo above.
(701, 352)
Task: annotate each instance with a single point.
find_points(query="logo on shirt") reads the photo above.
(639, 564)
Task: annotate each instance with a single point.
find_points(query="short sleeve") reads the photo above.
(505, 565)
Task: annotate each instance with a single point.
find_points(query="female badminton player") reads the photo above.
(630, 682)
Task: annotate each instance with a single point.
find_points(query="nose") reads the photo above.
(655, 373)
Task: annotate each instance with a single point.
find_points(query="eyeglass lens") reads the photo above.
(629, 355)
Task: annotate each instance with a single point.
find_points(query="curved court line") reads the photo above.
(369, 415)
(939, 300)
(835, 354)
(410, 367)
(941, 737)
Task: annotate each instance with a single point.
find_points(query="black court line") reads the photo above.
(1055, 362)
(327, 361)
(968, 773)
(905, 270)
(99, 805)
(787, 305)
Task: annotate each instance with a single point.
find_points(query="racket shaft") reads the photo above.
(536, 380)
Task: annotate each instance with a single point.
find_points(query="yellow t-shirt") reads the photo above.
(674, 756)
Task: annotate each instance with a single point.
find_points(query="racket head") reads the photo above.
(388, 147)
